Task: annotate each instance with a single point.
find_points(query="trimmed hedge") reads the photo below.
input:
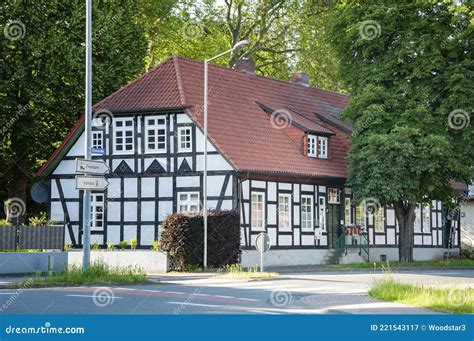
(183, 236)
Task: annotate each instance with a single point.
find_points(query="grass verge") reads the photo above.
(449, 300)
(235, 271)
(451, 263)
(97, 273)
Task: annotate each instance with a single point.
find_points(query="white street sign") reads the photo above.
(95, 183)
(91, 166)
(262, 244)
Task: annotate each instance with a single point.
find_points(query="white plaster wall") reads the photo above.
(284, 257)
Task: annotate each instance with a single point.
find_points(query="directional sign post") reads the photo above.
(262, 243)
(93, 183)
(91, 167)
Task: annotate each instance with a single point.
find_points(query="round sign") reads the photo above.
(262, 243)
(40, 192)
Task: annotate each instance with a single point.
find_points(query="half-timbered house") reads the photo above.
(277, 153)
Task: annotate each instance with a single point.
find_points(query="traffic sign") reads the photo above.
(262, 243)
(98, 151)
(95, 183)
(91, 166)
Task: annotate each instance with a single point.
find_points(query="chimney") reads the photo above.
(300, 78)
(245, 65)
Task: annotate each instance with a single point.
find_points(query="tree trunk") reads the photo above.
(405, 214)
(18, 187)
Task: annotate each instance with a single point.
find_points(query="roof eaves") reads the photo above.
(333, 122)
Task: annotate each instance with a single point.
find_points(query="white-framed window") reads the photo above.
(347, 211)
(426, 217)
(155, 134)
(123, 135)
(307, 212)
(284, 211)
(360, 214)
(417, 223)
(185, 139)
(97, 212)
(379, 220)
(188, 201)
(312, 144)
(322, 213)
(97, 139)
(323, 147)
(258, 210)
(334, 196)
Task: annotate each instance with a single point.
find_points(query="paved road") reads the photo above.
(315, 293)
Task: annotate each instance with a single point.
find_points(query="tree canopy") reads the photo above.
(408, 67)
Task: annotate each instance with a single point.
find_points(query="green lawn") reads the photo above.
(97, 274)
(450, 300)
(426, 263)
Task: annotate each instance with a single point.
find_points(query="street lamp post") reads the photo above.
(236, 47)
(87, 132)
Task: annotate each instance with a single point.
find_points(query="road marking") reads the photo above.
(8, 293)
(197, 304)
(89, 296)
(265, 312)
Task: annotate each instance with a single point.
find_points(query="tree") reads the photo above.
(42, 68)
(284, 36)
(408, 67)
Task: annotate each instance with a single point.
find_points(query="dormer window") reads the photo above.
(318, 146)
(322, 147)
(312, 143)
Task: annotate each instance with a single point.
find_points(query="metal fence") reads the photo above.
(29, 237)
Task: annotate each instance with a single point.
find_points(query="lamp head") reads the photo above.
(240, 45)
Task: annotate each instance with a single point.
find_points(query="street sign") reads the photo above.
(91, 166)
(95, 183)
(262, 243)
(98, 151)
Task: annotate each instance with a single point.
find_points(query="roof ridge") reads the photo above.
(126, 86)
(179, 80)
(264, 77)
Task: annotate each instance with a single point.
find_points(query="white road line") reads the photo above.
(8, 293)
(197, 304)
(265, 312)
(89, 296)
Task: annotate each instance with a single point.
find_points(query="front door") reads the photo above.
(333, 223)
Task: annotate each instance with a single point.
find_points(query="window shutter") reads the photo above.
(305, 145)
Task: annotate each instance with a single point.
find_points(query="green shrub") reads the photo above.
(4, 222)
(466, 253)
(123, 244)
(155, 246)
(183, 234)
(95, 247)
(133, 244)
(110, 247)
(67, 246)
(40, 220)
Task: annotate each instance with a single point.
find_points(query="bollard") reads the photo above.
(50, 265)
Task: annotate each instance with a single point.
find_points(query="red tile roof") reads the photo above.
(239, 128)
